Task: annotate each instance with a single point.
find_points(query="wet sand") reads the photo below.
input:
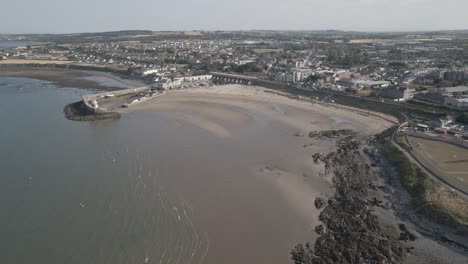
(70, 78)
(256, 214)
(237, 158)
(239, 104)
(234, 158)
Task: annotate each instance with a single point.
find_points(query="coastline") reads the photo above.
(236, 103)
(265, 101)
(69, 77)
(73, 78)
(211, 109)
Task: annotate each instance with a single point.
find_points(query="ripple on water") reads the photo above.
(154, 218)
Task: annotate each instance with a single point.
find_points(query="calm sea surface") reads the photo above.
(11, 44)
(133, 190)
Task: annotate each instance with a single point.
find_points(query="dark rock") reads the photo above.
(406, 235)
(331, 133)
(320, 229)
(319, 202)
(317, 157)
(351, 232)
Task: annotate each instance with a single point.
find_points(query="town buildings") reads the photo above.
(397, 93)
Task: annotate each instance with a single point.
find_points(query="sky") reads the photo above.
(73, 16)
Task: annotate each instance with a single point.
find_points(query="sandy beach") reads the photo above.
(290, 175)
(252, 199)
(238, 104)
(219, 110)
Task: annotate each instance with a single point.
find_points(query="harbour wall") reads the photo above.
(87, 98)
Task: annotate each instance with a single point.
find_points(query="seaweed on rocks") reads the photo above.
(350, 233)
(331, 133)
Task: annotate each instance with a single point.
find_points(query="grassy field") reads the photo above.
(429, 197)
(447, 160)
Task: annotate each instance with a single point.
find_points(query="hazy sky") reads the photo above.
(68, 16)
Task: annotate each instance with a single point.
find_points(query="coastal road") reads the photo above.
(429, 172)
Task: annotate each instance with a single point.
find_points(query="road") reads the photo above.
(429, 172)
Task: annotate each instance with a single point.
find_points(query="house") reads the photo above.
(176, 82)
(441, 122)
(299, 75)
(163, 84)
(397, 93)
(284, 77)
(149, 72)
(328, 76)
(196, 78)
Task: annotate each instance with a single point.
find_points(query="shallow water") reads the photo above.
(137, 190)
(11, 44)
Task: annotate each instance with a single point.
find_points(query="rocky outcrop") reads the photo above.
(319, 202)
(405, 234)
(317, 157)
(331, 133)
(350, 233)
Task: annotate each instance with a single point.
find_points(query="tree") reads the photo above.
(249, 67)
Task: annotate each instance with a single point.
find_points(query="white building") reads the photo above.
(361, 84)
(299, 75)
(148, 72)
(197, 78)
(163, 84)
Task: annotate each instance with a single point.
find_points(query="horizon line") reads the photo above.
(246, 30)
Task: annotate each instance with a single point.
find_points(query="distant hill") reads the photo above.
(148, 35)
